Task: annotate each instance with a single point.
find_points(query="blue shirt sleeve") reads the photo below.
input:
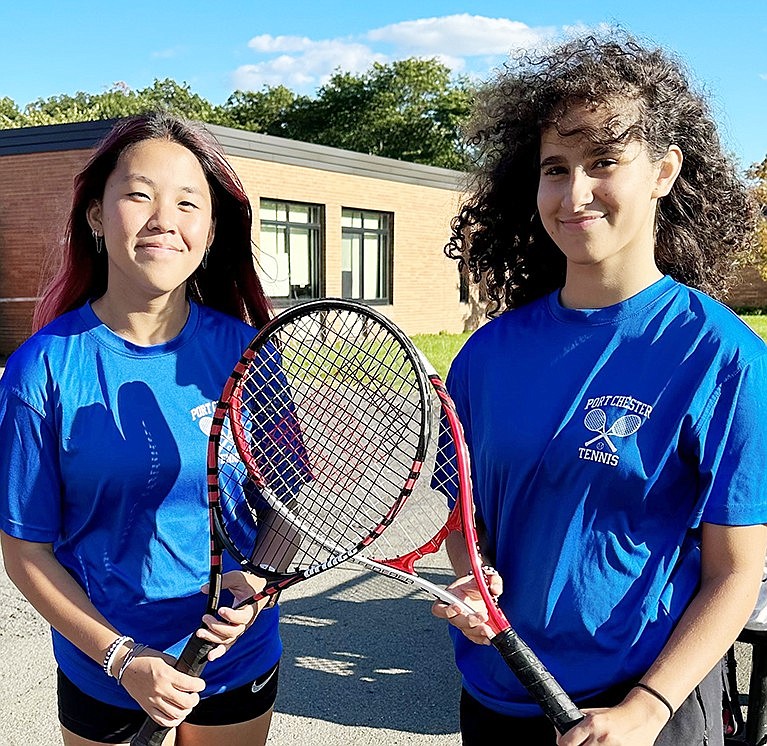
(30, 481)
(733, 442)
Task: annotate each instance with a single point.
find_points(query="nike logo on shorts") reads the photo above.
(258, 686)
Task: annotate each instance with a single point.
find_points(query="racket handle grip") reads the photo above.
(535, 677)
(192, 660)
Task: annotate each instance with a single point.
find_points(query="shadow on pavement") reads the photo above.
(360, 653)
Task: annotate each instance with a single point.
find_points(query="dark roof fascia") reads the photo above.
(53, 137)
(85, 135)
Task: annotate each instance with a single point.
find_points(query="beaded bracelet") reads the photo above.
(111, 653)
(655, 693)
(132, 653)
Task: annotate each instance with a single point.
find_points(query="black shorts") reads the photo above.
(697, 721)
(97, 721)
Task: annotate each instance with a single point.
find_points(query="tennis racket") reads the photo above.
(442, 503)
(315, 444)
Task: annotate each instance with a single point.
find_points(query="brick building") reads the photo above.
(327, 223)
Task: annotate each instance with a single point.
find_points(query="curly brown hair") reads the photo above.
(702, 226)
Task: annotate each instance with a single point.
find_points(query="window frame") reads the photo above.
(385, 234)
(313, 226)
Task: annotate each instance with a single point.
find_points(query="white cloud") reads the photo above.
(464, 43)
(311, 65)
(267, 43)
(463, 35)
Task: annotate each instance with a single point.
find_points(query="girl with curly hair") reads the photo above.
(615, 411)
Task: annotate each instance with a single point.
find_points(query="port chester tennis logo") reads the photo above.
(610, 420)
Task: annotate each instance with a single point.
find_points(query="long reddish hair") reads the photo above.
(228, 283)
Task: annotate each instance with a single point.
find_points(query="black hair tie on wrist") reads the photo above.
(655, 693)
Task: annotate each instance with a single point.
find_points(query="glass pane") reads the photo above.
(370, 263)
(273, 262)
(299, 213)
(268, 210)
(351, 219)
(350, 265)
(299, 259)
(346, 253)
(372, 220)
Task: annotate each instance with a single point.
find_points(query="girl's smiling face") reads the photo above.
(598, 201)
(156, 217)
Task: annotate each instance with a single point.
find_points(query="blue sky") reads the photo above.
(51, 47)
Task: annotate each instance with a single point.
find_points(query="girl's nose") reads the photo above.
(579, 192)
(161, 220)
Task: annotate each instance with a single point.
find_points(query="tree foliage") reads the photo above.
(410, 109)
(10, 116)
(118, 101)
(263, 111)
(758, 174)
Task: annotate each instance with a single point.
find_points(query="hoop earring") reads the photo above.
(99, 239)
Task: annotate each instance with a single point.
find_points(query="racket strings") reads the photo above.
(418, 528)
(328, 418)
(358, 420)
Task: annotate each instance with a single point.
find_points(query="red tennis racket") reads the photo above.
(317, 441)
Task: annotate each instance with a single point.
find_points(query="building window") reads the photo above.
(366, 255)
(291, 254)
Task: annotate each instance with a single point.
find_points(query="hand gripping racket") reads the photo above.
(316, 442)
(423, 524)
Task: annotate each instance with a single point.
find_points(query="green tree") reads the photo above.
(409, 109)
(264, 111)
(758, 174)
(10, 116)
(118, 101)
(179, 99)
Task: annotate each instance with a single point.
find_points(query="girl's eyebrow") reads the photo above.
(146, 180)
(605, 149)
(552, 160)
(594, 151)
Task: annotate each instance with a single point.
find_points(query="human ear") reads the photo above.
(668, 170)
(93, 216)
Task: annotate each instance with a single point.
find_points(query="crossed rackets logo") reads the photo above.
(596, 421)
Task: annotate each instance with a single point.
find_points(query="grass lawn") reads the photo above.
(758, 324)
(441, 348)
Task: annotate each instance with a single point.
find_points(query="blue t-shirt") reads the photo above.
(600, 440)
(103, 454)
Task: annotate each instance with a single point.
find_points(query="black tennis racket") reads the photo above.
(316, 442)
(442, 503)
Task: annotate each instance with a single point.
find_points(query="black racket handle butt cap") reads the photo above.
(192, 660)
(545, 690)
